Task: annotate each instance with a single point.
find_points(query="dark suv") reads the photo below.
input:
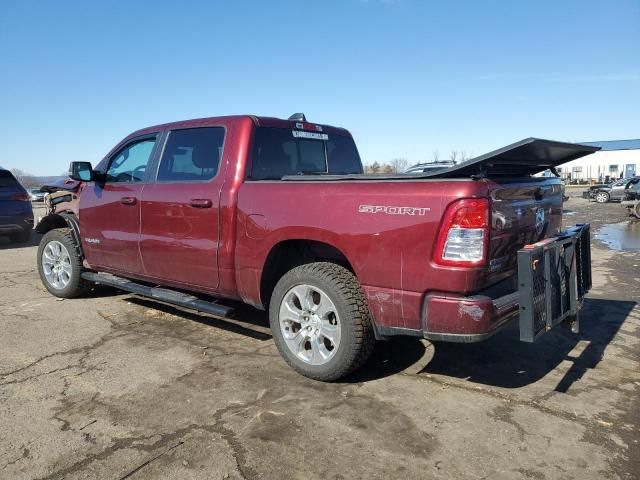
(16, 214)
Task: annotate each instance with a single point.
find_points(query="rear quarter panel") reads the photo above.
(389, 253)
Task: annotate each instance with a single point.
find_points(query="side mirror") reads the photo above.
(81, 171)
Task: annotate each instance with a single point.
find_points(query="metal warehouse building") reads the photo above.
(617, 159)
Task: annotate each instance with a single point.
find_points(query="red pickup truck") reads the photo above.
(278, 214)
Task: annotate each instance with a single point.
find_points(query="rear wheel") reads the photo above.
(636, 209)
(602, 197)
(320, 321)
(60, 265)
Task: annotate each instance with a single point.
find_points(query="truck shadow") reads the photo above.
(246, 320)
(388, 358)
(7, 244)
(504, 361)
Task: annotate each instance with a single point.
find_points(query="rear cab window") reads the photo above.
(278, 152)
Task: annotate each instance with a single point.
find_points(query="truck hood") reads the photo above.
(523, 158)
(61, 184)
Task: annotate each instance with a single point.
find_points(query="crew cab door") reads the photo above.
(180, 231)
(110, 208)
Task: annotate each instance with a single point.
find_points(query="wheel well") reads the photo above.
(50, 222)
(292, 253)
(62, 220)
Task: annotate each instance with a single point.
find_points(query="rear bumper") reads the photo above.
(553, 277)
(467, 319)
(460, 319)
(14, 224)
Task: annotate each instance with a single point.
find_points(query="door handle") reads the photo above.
(128, 200)
(200, 203)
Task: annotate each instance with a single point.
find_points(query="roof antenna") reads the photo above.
(298, 117)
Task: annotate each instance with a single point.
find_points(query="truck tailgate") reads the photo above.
(522, 212)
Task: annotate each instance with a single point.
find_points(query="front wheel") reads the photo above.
(602, 197)
(60, 265)
(320, 321)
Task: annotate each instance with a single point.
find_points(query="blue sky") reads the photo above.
(406, 77)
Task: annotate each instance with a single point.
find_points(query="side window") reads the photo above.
(130, 164)
(343, 156)
(191, 154)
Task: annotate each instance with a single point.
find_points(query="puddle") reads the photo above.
(568, 212)
(620, 236)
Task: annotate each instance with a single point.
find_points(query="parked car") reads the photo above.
(590, 193)
(36, 195)
(633, 189)
(431, 167)
(16, 214)
(614, 192)
(278, 214)
(632, 198)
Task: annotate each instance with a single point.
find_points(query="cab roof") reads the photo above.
(260, 121)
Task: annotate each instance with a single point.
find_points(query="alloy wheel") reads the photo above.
(310, 324)
(56, 265)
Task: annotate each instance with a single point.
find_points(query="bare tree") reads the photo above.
(26, 179)
(17, 173)
(399, 165)
(435, 155)
(453, 156)
(373, 168)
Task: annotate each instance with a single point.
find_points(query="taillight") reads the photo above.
(464, 234)
(20, 196)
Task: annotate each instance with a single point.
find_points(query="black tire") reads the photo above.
(343, 289)
(22, 237)
(76, 286)
(602, 197)
(636, 209)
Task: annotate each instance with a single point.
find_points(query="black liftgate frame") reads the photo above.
(553, 277)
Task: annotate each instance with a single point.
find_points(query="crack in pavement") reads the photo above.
(116, 331)
(144, 464)
(84, 351)
(227, 434)
(585, 422)
(25, 454)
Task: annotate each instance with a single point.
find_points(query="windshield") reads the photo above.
(7, 180)
(278, 152)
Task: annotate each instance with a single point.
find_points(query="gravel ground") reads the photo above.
(113, 386)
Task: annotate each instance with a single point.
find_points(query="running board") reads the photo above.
(162, 294)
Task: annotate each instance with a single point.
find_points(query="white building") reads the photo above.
(617, 159)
